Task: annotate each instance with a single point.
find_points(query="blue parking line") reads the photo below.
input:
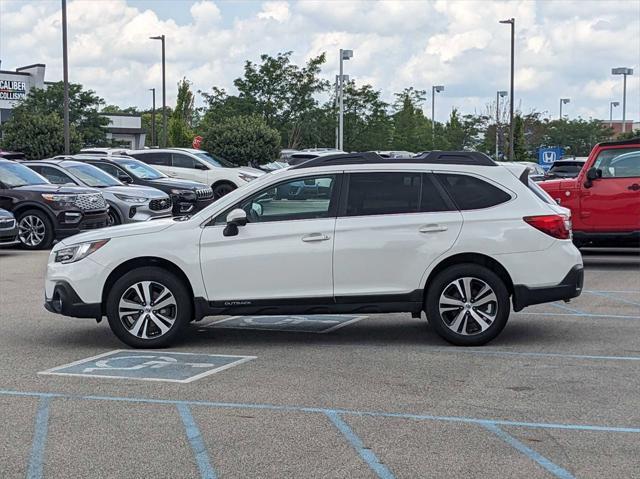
(40, 432)
(197, 443)
(534, 354)
(365, 453)
(607, 295)
(577, 315)
(303, 409)
(530, 453)
(566, 308)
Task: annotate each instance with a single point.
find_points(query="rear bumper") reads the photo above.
(569, 287)
(631, 238)
(65, 301)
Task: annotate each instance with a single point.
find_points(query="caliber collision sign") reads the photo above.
(12, 90)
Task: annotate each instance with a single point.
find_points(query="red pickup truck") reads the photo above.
(604, 198)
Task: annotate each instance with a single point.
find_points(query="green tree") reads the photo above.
(179, 129)
(38, 135)
(130, 110)
(243, 140)
(520, 150)
(411, 129)
(83, 109)
(577, 137)
(367, 124)
(629, 135)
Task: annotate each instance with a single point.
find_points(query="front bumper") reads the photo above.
(65, 301)
(9, 236)
(71, 222)
(569, 287)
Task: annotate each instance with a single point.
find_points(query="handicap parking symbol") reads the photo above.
(314, 323)
(150, 365)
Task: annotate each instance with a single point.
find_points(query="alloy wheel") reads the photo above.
(147, 309)
(468, 306)
(31, 230)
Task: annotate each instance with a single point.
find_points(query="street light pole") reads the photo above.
(500, 93)
(624, 72)
(563, 101)
(512, 22)
(153, 117)
(611, 105)
(344, 55)
(164, 94)
(65, 77)
(434, 89)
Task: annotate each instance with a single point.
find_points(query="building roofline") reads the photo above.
(11, 72)
(137, 115)
(31, 66)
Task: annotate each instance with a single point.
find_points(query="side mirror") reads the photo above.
(593, 174)
(126, 179)
(235, 218)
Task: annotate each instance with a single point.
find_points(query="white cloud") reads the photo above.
(563, 48)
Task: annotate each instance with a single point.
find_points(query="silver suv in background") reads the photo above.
(127, 203)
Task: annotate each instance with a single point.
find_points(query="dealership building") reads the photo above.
(15, 86)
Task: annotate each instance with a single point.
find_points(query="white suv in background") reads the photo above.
(195, 165)
(451, 234)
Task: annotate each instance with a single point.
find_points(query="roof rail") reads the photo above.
(632, 141)
(431, 157)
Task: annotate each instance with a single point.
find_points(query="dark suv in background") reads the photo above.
(47, 212)
(187, 196)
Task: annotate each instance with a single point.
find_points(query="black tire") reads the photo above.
(473, 337)
(222, 189)
(114, 218)
(29, 217)
(183, 312)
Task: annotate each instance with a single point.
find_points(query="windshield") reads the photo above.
(92, 176)
(14, 174)
(140, 170)
(216, 161)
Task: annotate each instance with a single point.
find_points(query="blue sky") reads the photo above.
(564, 48)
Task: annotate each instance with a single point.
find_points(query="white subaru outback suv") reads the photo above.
(451, 234)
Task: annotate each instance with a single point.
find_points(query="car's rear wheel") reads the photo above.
(467, 304)
(149, 307)
(35, 230)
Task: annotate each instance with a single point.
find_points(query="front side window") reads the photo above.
(300, 199)
(383, 193)
(107, 168)
(619, 163)
(55, 176)
(471, 193)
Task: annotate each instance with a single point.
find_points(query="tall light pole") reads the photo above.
(611, 105)
(164, 94)
(344, 55)
(434, 89)
(153, 116)
(624, 72)
(563, 101)
(512, 22)
(335, 104)
(499, 94)
(65, 77)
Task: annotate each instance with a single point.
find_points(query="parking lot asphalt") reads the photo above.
(557, 394)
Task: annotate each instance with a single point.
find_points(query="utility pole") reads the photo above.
(164, 93)
(153, 117)
(499, 94)
(344, 55)
(65, 77)
(624, 72)
(512, 22)
(434, 89)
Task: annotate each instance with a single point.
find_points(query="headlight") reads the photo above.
(62, 200)
(132, 199)
(77, 252)
(245, 177)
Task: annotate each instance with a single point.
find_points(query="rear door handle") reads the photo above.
(634, 187)
(432, 228)
(310, 238)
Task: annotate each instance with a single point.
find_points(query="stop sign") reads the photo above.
(197, 141)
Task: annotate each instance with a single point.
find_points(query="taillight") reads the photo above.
(558, 226)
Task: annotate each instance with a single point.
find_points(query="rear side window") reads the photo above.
(471, 193)
(182, 161)
(160, 159)
(383, 193)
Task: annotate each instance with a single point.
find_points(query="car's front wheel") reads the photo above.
(149, 307)
(222, 189)
(467, 304)
(35, 230)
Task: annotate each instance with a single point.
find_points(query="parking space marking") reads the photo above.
(312, 323)
(41, 429)
(196, 442)
(535, 354)
(365, 453)
(322, 410)
(608, 295)
(176, 367)
(530, 453)
(566, 308)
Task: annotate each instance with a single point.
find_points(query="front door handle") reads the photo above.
(315, 237)
(634, 187)
(432, 228)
